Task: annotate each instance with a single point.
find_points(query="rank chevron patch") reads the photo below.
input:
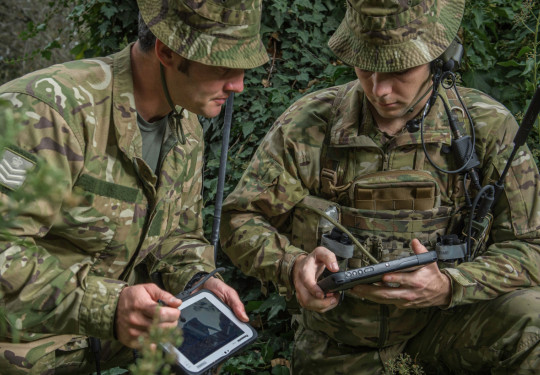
(13, 169)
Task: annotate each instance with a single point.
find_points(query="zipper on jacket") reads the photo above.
(150, 194)
(386, 161)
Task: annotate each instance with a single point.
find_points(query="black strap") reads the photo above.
(175, 117)
(95, 347)
(187, 292)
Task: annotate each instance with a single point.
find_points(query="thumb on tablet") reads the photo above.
(229, 296)
(417, 247)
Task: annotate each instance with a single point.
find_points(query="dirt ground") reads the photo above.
(14, 17)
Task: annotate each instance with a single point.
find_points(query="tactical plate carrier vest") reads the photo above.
(386, 195)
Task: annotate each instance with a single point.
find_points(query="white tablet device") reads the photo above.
(211, 333)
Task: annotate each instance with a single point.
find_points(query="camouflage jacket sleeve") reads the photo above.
(42, 293)
(256, 216)
(512, 258)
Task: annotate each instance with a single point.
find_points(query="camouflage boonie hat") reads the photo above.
(212, 32)
(394, 35)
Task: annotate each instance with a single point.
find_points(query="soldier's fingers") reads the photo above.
(130, 337)
(138, 321)
(417, 247)
(315, 303)
(307, 281)
(328, 258)
(320, 305)
(157, 293)
(228, 295)
(314, 289)
(168, 325)
(168, 314)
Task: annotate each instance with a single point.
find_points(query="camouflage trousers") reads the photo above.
(72, 358)
(500, 336)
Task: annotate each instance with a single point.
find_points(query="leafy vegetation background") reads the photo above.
(502, 58)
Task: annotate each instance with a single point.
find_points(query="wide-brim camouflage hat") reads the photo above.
(212, 32)
(394, 35)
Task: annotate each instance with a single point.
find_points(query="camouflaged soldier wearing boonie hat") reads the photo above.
(212, 32)
(394, 35)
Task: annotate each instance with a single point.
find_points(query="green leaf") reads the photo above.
(109, 11)
(114, 371)
(46, 54)
(275, 303)
(247, 128)
(280, 370)
(508, 63)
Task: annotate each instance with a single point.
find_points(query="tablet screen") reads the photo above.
(211, 333)
(205, 330)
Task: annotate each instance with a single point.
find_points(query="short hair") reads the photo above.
(183, 67)
(147, 40)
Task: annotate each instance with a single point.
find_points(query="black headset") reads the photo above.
(448, 62)
(450, 59)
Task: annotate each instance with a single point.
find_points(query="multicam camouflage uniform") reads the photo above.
(67, 273)
(327, 145)
(114, 222)
(257, 231)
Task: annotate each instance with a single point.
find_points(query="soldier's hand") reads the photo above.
(306, 270)
(227, 295)
(425, 287)
(135, 311)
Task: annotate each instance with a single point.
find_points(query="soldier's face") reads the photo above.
(393, 94)
(203, 89)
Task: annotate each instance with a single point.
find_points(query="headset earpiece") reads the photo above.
(450, 60)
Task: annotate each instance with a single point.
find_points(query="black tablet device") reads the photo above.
(211, 333)
(370, 274)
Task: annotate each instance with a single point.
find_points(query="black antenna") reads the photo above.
(519, 139)
(221, 173)
(523, 132)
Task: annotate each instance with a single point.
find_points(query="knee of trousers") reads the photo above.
(521, 312)
(521, 306)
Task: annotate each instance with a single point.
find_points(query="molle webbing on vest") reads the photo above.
(328, 182)
(395, 190)
(394, 198)
(387, 234)
(395, 221)
(107, 189)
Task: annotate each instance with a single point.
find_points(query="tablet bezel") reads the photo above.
(219, 354)
(339, 281)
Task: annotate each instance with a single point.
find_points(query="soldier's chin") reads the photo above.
(211, 112)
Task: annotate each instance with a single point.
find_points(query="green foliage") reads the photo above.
(296, 35)
(271, 351)
(96, 27)
(114, 371)
(502, 58)
(502, 53)
(402, 365)
(105, 25)
(151, 357)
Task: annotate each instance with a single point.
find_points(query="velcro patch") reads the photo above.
(13, 169)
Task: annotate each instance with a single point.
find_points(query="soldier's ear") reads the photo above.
(165, 55)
